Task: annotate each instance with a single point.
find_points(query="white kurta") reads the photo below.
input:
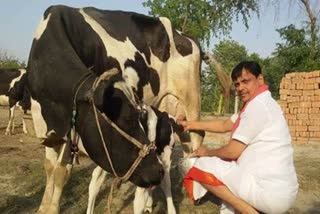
(264, 174)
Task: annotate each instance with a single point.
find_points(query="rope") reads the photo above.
(144, 149)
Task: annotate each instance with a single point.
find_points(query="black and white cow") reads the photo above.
(62, 82)
(14, 94)
(161, 64)
(164, 126)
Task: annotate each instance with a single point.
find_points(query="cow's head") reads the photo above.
(112, 98)
(159, 127)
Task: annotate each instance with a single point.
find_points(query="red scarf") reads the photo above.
(260, 90)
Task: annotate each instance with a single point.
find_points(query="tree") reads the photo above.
(311, 8)
(295, 49)
(314, 29)
(203, 19)
(7, 61)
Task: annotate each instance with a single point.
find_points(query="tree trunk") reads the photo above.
(186, 16)
(313, 19)
(219, 110)
(236, 104)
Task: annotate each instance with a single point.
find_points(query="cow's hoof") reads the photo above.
(148, 209)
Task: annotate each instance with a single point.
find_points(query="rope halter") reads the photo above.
(144, 149)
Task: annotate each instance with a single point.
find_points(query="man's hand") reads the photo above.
(202, 151)
(184, 124)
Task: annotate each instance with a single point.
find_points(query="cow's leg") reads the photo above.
(51, 157)
(11, 122)
(61, 175)
(139, 201)
(98, 177)
(24, 126)
(149, 201)
(166, 181)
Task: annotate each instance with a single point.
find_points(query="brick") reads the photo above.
(301, 140)
(284, 91)
(303, 116)
(305, 104)
(290, 75)
(314, 139)
(293, 105)
(314, 128)
(307, 92)
(302, 128)
(316, 74)
(314, 116)
(317, 98)
(295, 92)
(314, 110)
(283, 97)
(316, 134)
(291, 117)
(303, 122)
(314, 122)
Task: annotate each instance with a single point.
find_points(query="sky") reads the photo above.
(19, 19)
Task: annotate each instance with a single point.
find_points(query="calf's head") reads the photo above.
(159, 126)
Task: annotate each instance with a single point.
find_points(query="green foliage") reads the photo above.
(273, 73)
(210, 90)
(295, 51)
(7, 61)
(293, 54)
(203, 19)
(229, 53)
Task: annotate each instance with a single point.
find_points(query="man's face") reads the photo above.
(247, 84)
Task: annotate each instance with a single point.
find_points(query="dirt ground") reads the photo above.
(22, 179)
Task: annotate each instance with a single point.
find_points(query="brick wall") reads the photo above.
(300, 102)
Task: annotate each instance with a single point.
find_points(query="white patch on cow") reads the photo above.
(51, 155)
(131, 77)
(4, 100)
(50, 132)
(140, 199)
(98, 177)
(126, 90)
(122, 51)
(40, 126)
(22, 71)
(172, 71)
(81, 147)
(41, 27)
(152, 123)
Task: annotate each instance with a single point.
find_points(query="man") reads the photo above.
(255, 169)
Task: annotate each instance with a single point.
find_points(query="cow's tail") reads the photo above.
(204, 56)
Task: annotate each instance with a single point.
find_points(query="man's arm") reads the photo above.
(231, 151)
(218, 126)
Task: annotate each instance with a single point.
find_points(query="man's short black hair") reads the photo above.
(250, 66)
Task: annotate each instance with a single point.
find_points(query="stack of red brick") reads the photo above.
(300, 102)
